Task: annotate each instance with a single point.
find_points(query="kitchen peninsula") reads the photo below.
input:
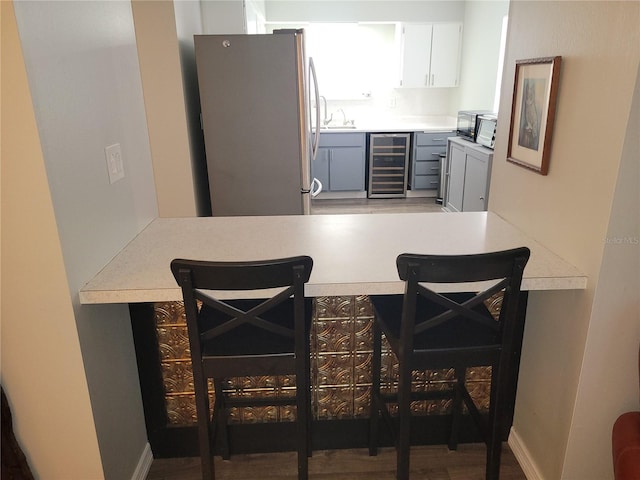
(354, 256)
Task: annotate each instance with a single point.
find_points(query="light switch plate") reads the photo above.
(113, 153)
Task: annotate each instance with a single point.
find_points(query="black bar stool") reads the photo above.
(237, 338)
(428, 331)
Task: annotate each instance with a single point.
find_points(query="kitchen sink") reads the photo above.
(339, 127)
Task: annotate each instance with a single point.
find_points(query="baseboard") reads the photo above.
(340, 195)
(144, 464)
(422, 193)
(520, 451)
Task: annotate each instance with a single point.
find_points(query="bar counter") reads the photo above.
(354, 256)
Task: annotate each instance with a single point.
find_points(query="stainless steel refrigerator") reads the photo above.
(256, 119)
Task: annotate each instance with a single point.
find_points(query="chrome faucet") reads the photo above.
(325, 120)
(344, 116)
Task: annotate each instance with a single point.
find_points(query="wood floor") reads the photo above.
(427, 463)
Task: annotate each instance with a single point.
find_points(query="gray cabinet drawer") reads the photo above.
(428, 182)
(342, 140)
(427, 168)
(434, 138)
(429, 153)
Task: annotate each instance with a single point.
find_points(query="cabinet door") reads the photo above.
(445, 55)
(475, 182)
(320, 168)
(457, 165)
(342, 140)
(346, 169)
(416, 55)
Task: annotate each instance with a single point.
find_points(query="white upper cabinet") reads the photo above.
(415, 54)
(430, 54)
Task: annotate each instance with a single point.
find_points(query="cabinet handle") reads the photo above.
(316, 136)
(432, 79)
(437, 140)
(314, 193)
(426, 79)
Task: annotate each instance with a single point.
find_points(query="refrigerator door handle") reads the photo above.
(314, 193)
(316, 135)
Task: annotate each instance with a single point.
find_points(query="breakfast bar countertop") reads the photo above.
(353, 254)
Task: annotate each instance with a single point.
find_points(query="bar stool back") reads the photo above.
(265, 335)
(427, 330)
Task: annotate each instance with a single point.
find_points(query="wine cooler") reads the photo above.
(388, 164)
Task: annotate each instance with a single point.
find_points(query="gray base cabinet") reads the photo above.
(340, 163)
(425, 159)
(469, 172)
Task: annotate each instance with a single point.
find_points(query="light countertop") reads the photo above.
(353, 254)
(399, 124)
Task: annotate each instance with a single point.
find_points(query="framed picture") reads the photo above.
(532, 112)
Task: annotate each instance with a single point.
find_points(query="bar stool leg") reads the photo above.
(374, 415)
(220, 420)
(456, 408)
(302, 414)
(403, 446)
(204, 426)
(494, 440)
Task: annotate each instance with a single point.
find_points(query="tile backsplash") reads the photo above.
(395, 105)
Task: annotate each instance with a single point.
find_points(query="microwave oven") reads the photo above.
(467, 125)
(486, 130)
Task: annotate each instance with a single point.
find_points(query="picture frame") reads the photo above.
(533, 112)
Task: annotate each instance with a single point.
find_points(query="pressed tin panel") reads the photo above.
(341, 349)
(181, 408)
(177, 376)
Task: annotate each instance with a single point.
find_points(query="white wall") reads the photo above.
(365, 10)
(83, 72)
(223, 16)
(569, 211)
(480, 52)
